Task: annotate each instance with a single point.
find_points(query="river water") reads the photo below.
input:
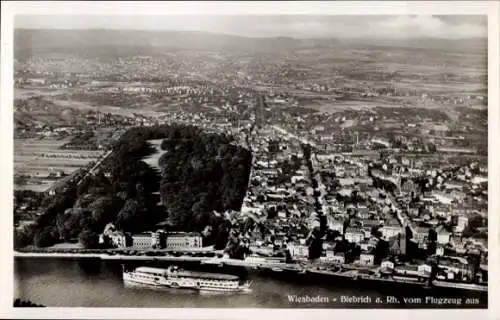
(56, 282)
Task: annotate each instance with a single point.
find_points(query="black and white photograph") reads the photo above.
(256, 161)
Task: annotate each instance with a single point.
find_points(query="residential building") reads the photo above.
(462, 222)
(440, 251)
(409, 188)
(354, 235)
(255, 259)
(367, 245)
(369, 223)
(335, 224)
(298, 251)
(392, 229)
(443, 236)
(455, 266)
(421, 235)
(424, 270)
(366, 259)
(407, 270)
(362, 212)
(338, 259)
(333, 258)
(387, 264)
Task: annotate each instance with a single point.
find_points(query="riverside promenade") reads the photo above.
(104, 256)
(122, 257)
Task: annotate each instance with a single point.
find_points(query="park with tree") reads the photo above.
(200, 173)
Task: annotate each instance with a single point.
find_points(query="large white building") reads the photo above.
(183, 240)
(142, 240)
(113, 237)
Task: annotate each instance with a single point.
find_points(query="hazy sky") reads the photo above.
(301, 26)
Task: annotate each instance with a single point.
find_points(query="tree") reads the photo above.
(376, 232)
(104, 210)
(332, 235)
(221, 233)
(70, 224)
(315, 248)
(432, 235)
(431, 248)
(432, 147)
(248, 225)
(44, 238)
(89, 239)
(200, 172)
(272, 213)
(474, 223)
(352, 253)
(381, 251)
(23, 237)
(129, 215)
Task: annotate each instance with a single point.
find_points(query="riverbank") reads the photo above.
(99, 283)
(435, 283)
(121, 257)
(351, 275)
(104, 256)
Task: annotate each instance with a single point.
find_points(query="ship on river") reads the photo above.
(173, 277)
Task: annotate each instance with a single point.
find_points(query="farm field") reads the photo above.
(25, 93)
(39, 158)
(82, 105)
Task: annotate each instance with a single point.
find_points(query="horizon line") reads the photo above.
(253, 37)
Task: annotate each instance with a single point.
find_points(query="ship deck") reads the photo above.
(206, 275)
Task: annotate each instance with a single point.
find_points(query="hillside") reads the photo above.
(35, 41)
(123, 42)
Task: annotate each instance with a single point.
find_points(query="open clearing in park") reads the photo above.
(153, 159)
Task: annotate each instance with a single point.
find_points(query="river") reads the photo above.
(56, 282)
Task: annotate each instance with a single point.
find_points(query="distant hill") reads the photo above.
(123, 42)
(469, 45)
(26, 41)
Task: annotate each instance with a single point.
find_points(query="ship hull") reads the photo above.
(128, 278)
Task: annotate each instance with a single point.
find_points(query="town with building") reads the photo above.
(350, 174)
